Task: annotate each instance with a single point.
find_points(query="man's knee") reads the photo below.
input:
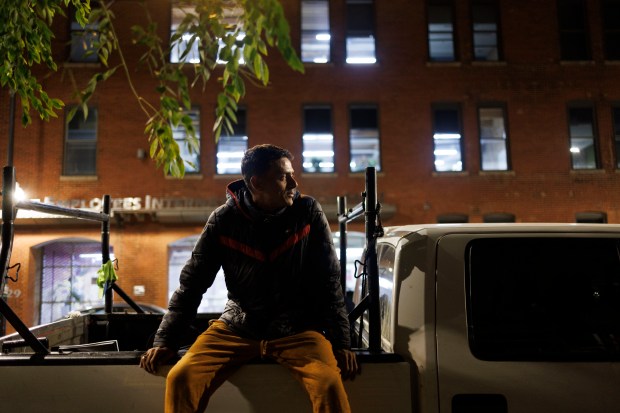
(328, 380)
(180, 375)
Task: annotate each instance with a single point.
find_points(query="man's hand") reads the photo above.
(347, 363)
(154, 357)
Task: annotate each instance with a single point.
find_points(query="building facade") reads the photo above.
(470, 110)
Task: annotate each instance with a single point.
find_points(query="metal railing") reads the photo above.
(9, 212)
(370, 302)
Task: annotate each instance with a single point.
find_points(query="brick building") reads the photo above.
(467, 108)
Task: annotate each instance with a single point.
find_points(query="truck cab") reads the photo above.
(503, 317)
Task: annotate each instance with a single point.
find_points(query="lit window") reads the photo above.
(360, 32)
(447, 138)
(440, 31)
(485, 30)
(582, 137)
(574, 38)
(230, 148)
(616, 120)
(189, 153)
(364, 138)
(318, 140)
(80, 157)
(82, 39)
(68, 277)
(493, 141)
(315, 32)
(610, 13)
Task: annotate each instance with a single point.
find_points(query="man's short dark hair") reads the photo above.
(257, 160)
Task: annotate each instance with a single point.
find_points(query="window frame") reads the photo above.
(363, 106)
(69, 245)
(567, 31)
(225, 135)
(607, 32)
(498, 28)
(89, 55)
(352, 33)
(79, 117)
(305, 131)
(182, 142)
(502, 107)
(445, 106)
(302, 32)
(450, 5)
(595, 134)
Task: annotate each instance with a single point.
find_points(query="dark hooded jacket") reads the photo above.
(281, 271)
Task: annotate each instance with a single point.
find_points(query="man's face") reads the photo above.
(275, 189)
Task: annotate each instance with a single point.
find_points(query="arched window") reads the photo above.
(179, 252)
(68, 275)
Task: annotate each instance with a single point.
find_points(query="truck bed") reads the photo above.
(111, 381)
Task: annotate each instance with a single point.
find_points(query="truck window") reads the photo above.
(385, 259)
(544, 298)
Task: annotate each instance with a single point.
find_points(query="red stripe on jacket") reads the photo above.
(243, 248)
(290, 242)
(259, 255)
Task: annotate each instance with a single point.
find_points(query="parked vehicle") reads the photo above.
(450, 318)
(117, 307)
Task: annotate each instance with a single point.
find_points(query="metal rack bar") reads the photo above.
(369, 208)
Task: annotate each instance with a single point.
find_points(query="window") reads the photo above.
(574, 39)
(318, 140)
(315, 32)
(230, 148)
(68, 277)
(493, 140)
(185, 50)
(190, 151)
(610, 13)
(360, 32)
(447, 137)
(582, 133)
(616, 120)
(364, 138)
(82, 41)
(485, 22)
(179, 51)
(214, 300)
(386, 256)
(355, 248)
(440, 31)
(80, 157)
(527, 301)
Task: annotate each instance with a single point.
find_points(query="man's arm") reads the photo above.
(335, 308)
(196, 277)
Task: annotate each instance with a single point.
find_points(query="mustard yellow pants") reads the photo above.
(218, 352)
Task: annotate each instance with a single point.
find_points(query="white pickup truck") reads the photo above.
(471, 318)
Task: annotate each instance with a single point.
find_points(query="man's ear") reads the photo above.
(255, 183)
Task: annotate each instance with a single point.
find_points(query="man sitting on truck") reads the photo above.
(285, 297)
